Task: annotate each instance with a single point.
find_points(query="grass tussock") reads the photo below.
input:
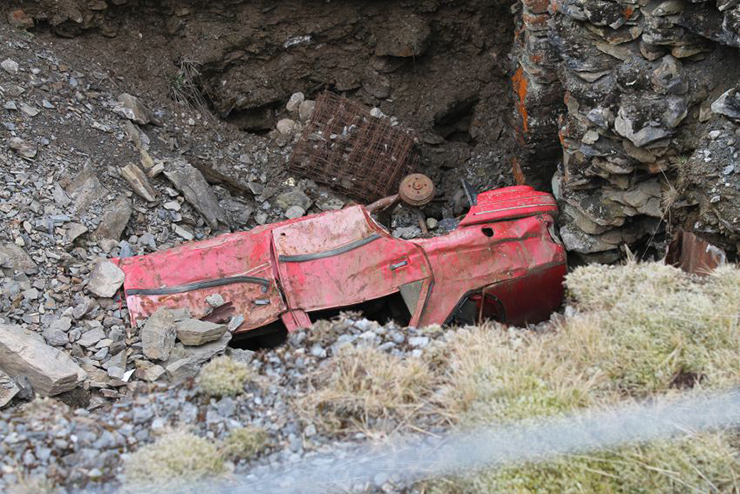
(223, 376)
(245, 443)
(177, 457)
(704, 463)
(641, 330)
(364, 383)
(490, 374)
(664, 328)
(185, 86)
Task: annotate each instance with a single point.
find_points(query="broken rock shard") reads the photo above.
(114, 220)
(193, 332)
(188, 180)
(131, 108)
(158, 333)
(49, 370)
(138, 182)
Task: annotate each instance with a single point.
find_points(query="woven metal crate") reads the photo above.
(346, 148)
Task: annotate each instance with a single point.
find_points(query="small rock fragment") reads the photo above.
(294, 197)
(92, 337)
(55, 334)
(158, 333)
(15, 258)
(306, 110)
(74, 230)
(23, 148)
(86, 188)
(193, 332)
(138, 182)
(8, 389)
(153, 373)
(286, 126)
(728, 104)
(130, 107)
(172, 205)
(18, 19)
(28, 110)
(106, 279)
(9, 66)
(294, 102)
(183, 233)
(115, 219)
(294, 212)
(188, 180)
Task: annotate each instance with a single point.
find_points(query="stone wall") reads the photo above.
(642, 84)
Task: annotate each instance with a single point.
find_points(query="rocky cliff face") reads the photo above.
(648, 131)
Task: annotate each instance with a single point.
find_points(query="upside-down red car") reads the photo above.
(502, 261)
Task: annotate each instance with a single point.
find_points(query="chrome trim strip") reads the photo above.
(330, 253)
(199, 285)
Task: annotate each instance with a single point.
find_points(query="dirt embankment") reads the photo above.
(441, 68)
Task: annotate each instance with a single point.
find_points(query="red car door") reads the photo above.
(237, 266)
(343, 259)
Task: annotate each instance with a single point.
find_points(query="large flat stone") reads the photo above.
(49, 370)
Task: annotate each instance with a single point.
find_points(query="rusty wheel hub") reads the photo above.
(416, 189)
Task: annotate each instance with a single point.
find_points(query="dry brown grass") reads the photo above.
(640, 330)
(245, 443)
(363, 384)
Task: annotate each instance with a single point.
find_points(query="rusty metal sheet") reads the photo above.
(693, 254)
(237, 266)
(508, 203)
(370, 264)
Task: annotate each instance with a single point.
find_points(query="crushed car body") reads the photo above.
(503, 261)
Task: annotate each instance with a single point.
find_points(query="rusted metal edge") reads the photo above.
(169, 290)
(329, 253)
(693, 254)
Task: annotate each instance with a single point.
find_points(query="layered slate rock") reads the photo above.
(193, 332)
(644, 84)
(24, 354)
(159, 332)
